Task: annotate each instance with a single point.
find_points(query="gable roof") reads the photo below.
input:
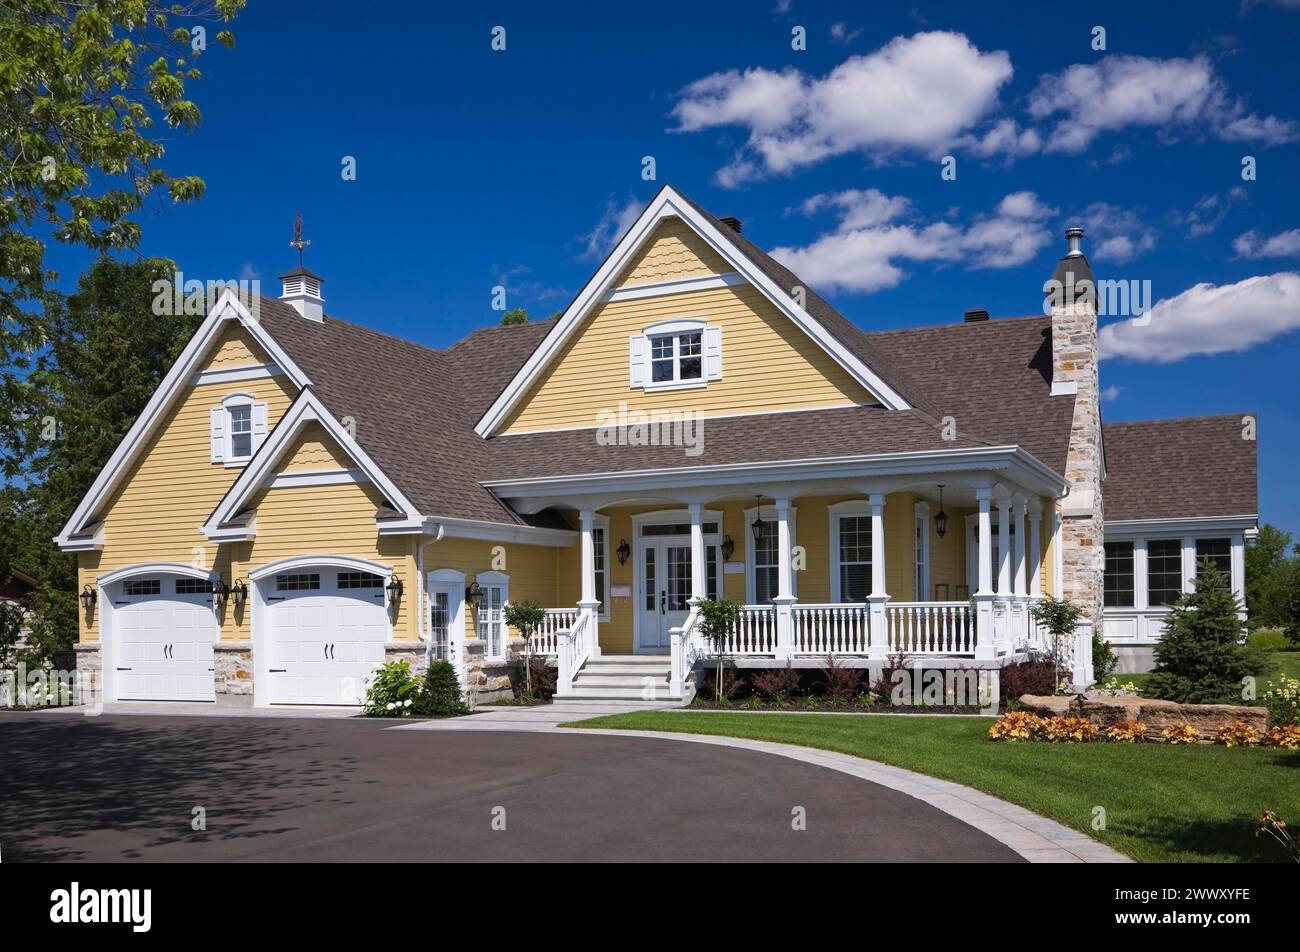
(1195, 467)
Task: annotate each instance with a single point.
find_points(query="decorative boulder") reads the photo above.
(1154, 715)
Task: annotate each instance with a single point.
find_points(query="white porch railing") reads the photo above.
(573, 648)
(830, 629)
(755, 632)
(546, 640)
(931, 628)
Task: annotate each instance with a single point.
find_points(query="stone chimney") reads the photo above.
(302, 293)
(1071, 296)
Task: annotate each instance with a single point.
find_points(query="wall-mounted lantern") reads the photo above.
(87, 597)
(240, 591)
(728, 548)
(623, 551)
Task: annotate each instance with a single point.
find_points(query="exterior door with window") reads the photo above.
(664, 588)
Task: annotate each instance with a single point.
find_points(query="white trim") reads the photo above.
(1181, 525)
(502, 581)
(306, 409)
(236, 374)
(155, 568)
(849, 507)
(601, 521)
(317, 477)
(454, 581)
(921, 514)
(710, 416)
(751, 585)
(228, 307)
(707, 282)
(240, 398)
(348, 563)
(92, 544)
(500, 532)
(668, 203)
(1064, 388)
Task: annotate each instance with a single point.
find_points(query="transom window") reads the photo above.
(359, 580)
(240, 416)
(143, 586)
(1164, 571)
(1218, 551)
(676, 528)
(1118, 575)
(676, 357)
(298, 582)
(193, 586)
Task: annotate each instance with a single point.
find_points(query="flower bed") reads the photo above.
(1028, 726)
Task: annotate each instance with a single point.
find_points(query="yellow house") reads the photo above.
(304, 497)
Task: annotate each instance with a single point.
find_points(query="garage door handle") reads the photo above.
(124, 669)
(278, 670)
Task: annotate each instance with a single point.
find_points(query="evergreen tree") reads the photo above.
(1199, 659)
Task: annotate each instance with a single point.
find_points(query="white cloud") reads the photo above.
(614, 221)
(1111, 393)
(1285, 244)
(1005, 138)
(877, 234)
(841, 34)
(1209, 212)
(1166, 95)
(1115, 234)
(1209, 319)
(915, 94)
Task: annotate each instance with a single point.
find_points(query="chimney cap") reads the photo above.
(978, 314)
(732, 222)
(1074, 242)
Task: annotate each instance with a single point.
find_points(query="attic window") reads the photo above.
(675, 354)
(236, 429)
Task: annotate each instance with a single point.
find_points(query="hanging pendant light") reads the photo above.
(941, 517)
(759, 527)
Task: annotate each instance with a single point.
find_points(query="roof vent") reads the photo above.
(732, 223)
(1074, 240)
(976, 315)
(302, 285)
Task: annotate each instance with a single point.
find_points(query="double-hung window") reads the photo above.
(241, 430)
(678, 353)
(238, 428)
(1164, 571)
(853, 548)
(1218, 551)
(1118, 578)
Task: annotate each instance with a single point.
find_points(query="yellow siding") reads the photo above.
(532, 569)
(315, 450)
(675, 251)
(156, 513)
(948, 555)
(768, 364)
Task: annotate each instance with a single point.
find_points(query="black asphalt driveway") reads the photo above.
(113, 788)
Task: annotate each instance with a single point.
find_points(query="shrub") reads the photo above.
(1104, 660)
(1027, 677)
(1128, 732)
(777, 684)
(531, 678)
(1180, 734)
(864, 701)
(440, 695)
(526, 617)
(1268, 639)
(392, 690)
(1199, 659)
(752, 702)
(1018, 725)
(840, 683)
(718, 619)
(1285, 736)
(730, 686)
(1073, 730)
(1237, 734)
(1283, 701)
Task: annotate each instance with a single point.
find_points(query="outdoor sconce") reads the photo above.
(394, 588)
(623, 551)
(728, 547)
(220, 591)
(759, 526)
(941, 517)
(240, 591)
(475, 595)
(87, 597)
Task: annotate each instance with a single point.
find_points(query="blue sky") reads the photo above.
(477, 167)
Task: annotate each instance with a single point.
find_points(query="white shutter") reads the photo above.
(713, 353)
(217, 433)
(259, 425)
(637, 358)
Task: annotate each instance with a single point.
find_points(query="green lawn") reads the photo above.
(1163, 804)
(1285, 662)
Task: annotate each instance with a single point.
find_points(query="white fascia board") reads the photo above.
(227, 308)
(1138, 527)
(308, 408)
(453, 528)
(1018, 463)
(668, 203)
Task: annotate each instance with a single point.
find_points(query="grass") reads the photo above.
(1162, 804)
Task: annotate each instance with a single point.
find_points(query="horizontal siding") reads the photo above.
(768, 364)
(675, 251)
(531, 568)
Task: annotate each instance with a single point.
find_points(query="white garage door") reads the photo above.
(326, 630)
(163, 629)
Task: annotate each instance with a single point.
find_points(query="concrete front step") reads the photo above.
(634, 681)
(648, 660)
(625, 670)
(585, 693)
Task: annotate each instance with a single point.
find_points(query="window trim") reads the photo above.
(1132, 573)
(500, 580)
(921, 559)
(751, 581)
(852, 508)
(1182, 572)
(602, 522)
(227, 404)
(710, 334)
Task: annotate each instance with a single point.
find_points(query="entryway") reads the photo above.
(662, 577)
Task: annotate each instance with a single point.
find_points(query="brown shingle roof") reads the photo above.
(1171, 469)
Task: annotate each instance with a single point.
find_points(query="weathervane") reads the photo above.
(299, 241)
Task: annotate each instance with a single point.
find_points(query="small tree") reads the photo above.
(526, 617)
(1200, 658)
(515, 316)
(441, 696)
(1289, 583)
(1060, 617)
(718, 619)
(12, 619)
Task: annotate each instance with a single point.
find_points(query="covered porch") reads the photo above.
(867, 570)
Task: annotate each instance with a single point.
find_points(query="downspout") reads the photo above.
(421, 632)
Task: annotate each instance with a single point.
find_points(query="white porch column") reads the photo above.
(588, 604)
(984, 648)
(784, 600)
(878, 600)
(699, 586)
(1036, 548)
(1018, 636)
(1021, 510)
(1002, 606)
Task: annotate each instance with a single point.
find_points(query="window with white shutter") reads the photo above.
(236, 429)
(675, 354)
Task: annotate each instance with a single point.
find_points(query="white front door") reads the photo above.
(326, 633)
(446, 620)
(163, 630)
(664, 588)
